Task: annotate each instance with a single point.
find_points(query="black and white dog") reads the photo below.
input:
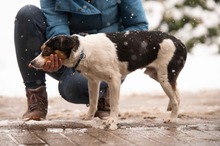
(110, 57)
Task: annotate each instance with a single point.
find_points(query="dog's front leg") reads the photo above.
(114, 93)
(93, 87)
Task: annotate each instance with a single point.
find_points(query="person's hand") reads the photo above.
(53, 64)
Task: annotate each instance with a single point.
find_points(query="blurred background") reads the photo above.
(195, 22)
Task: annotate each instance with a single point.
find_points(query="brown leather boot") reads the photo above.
(103, 106)
(37, 104)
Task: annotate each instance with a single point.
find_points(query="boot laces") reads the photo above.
(36, 102)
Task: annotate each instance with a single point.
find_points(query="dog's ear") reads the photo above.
(69, 43)
(53, 43)
(75, 43)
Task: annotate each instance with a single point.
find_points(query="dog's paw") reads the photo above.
(170, 120)
(110, 120)
(113, 126)
(87, 117)
(111, 123)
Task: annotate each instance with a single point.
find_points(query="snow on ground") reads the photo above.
(201, 71)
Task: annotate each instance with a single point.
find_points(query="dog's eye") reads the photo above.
(47, 51)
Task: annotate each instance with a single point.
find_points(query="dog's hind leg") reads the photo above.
(169, 107)
(93, 87)
(172, 92)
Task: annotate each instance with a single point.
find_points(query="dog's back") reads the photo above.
(140, 48)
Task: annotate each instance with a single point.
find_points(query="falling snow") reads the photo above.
(143, 44)
(195, 76)
(133, 57)
(125, 43)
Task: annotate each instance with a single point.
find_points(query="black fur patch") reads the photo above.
(177, 62)
(138, 48)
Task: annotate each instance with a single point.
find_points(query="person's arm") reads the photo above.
(57, 21)
(133, 15)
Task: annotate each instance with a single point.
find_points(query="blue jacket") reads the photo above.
(97, 16)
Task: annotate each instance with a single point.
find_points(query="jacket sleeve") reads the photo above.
(57, 21)
(133, 15)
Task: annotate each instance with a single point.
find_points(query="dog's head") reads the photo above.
(61, 45)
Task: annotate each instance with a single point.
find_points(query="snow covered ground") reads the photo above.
(201, 72)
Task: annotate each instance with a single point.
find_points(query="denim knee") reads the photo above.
(74, 88)
(29, 11)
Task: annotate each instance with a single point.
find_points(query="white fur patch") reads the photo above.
(165, 54)
(100, 55)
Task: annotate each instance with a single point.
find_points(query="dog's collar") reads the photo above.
(82, 55)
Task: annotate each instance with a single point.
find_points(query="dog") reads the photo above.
(110, 57)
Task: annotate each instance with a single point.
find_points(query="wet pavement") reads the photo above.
(140, 124)
(144, 133)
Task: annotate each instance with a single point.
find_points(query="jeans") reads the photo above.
(29, 35)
